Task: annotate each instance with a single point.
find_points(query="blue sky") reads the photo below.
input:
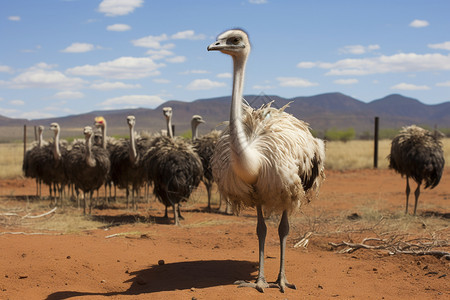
(63, 57)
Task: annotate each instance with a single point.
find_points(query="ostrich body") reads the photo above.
(108, 144)
(126, 162)
(417, 153)
(88, 166)
(31, 161)
(50, 166)
(265, 158)
(204, 146)
(174, 169)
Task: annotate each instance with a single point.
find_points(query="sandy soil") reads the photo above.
(139, 255)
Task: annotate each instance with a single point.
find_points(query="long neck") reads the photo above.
(194, 127)
(169, 127)
(56, 151)
(245, 160)
(89, 159)
(40, 139)
(104, 136)
(132, 152)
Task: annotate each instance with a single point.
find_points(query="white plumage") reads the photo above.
(266, 158)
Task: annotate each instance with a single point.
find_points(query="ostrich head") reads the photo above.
(100, 122)
(54, 127)
(167, 111)
(131, 121)
(233, 42)
(40, 129)
(87, 131)
(196, 120)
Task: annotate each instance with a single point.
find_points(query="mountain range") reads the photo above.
(322, 112)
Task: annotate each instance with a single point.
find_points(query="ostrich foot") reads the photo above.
(282, 284)
(259, 285)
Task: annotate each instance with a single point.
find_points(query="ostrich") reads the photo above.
(126, 162)
(50, 166)
(30, 161)
(88, 166)
(108, 144)
(204, 146)
(265, 158)
(417, 153)
(174, 168)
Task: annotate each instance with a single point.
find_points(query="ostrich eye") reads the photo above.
(236, 40)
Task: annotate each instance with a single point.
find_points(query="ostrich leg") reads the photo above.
(261, 230)
(407, 194)
(175, 215)
(283, 231)
(416, 194)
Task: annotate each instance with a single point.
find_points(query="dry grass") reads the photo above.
(350, 155)
(11, 158)
(358, 154)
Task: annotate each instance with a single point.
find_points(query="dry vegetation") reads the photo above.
(355, 154)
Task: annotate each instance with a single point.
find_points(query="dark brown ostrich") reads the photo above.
(50, 167)
(109, 144)
(30, 160)
(204, 146)
(173, 167)
(87, 166)
(127, 169)
(417, 153)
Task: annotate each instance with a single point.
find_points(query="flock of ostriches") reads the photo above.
(265, 158)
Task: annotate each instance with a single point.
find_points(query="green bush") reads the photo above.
(340, 135)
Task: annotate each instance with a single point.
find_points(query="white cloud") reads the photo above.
(112, 8)
(443, 46)
(118, 27)
(14, 18)
(224, 75)
(17, 102)
(419, 23)
(204, 84)
(104, 86)
(194, 72)
(151, 41)
(409, 87)
(35, 115)
(158, 54)
(402, 62)
(79, 48)
(69, 95)
(42, 76)
(257, 1)
(5, 69)
(176, 59)
(121, 68)
(161, 80)
(133, 101)
(188, 35)
(346, 81)
(445, 83)
(295, 82)
(306, 65)
(358, 49)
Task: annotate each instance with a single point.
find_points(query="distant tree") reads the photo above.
(340, 135)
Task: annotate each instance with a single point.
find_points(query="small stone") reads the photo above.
(161, 262)
(68, 257)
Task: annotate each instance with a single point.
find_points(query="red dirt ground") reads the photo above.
(209, 251)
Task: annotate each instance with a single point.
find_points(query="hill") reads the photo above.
(322, 112)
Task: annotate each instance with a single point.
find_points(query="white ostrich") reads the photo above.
(265, 158)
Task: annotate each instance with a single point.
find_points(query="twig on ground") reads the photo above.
(418, 246)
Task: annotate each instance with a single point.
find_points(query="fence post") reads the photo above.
(375, 143)
(24, 140)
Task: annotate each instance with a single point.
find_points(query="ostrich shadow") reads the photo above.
(177, 276)
(128, 218)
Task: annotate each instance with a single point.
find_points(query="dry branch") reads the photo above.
(422, 246)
